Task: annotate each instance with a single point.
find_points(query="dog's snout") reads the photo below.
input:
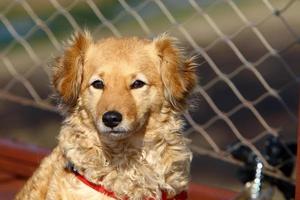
(112, 118)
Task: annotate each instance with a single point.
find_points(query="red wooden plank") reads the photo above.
(22, 152)
(7, 195)
(4, 176)
(9, 189)
(12, 186)
(16, 168)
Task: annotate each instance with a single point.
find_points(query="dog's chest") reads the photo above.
(78, 190)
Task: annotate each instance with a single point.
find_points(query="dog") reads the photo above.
(121, 137)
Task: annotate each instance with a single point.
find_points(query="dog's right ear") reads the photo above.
(68, 69)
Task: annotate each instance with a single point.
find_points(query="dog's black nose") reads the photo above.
(112, 118)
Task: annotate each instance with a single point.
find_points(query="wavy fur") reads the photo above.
(152, 156)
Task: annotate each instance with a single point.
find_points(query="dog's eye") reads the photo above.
(137, 84)
(98, 84)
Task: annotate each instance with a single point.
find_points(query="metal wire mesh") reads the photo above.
(249, 52)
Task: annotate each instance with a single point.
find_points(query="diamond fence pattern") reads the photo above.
(248, 54)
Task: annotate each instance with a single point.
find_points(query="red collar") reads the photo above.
(102, 189)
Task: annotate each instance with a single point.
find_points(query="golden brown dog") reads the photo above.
(123, 99)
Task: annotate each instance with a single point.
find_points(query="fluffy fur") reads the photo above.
(148, 154)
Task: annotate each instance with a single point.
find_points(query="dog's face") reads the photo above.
(123, 82)
(121, 85)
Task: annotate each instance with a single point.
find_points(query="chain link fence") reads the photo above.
(249, 57)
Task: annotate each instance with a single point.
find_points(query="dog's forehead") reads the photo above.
(113, 52)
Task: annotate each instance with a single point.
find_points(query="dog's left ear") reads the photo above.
(68, 69)
(178, 74)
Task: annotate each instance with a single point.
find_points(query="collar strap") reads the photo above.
(99, 188)
(102, 189)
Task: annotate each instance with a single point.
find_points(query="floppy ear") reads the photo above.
(68, 69)
(178, 74)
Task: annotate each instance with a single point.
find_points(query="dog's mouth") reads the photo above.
(117, 132)
(114, 133)
(117, 135)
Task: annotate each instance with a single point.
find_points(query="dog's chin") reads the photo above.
(116, 135)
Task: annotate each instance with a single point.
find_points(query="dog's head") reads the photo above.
(123, 82)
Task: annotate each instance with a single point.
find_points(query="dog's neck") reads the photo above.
(148, 153)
